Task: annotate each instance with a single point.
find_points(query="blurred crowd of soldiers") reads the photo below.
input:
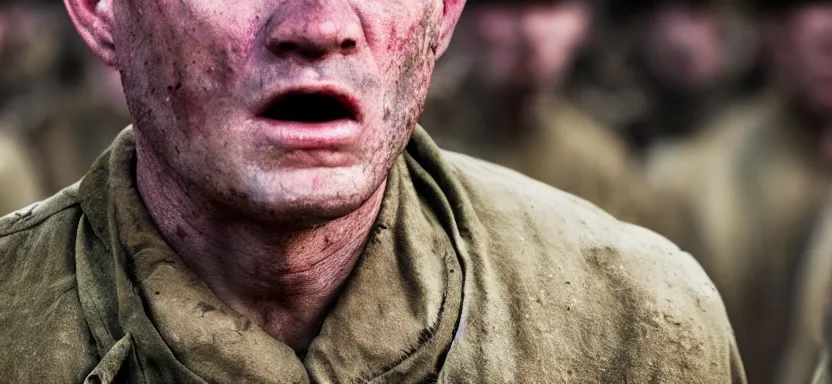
(709, 122)
(59, 107)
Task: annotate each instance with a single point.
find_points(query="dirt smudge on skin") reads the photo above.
(415, 69)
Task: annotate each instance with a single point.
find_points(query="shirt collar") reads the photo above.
(395, 318)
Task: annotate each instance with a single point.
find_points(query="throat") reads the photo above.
(288, 293)
(295, 324)
(283, 278)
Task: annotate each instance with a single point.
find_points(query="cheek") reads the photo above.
(413, 69)
(404, 54)
(401, 27)
(408, 81)
(184, 50)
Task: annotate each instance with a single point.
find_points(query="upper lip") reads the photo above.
(343, 95)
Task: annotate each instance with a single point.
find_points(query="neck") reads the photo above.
(284, 278)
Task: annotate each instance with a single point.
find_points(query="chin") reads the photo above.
(313, 214)
(307, 197)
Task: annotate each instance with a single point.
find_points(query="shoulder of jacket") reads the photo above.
(37, 213)
(571, 231)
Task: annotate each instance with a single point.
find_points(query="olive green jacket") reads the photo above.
(472, 274)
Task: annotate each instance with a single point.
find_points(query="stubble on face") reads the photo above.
(191, 72)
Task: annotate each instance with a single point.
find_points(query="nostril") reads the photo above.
(348, 44)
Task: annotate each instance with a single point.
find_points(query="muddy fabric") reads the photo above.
(806, 355)
(473, 273)
(754, 207)
(19, 186)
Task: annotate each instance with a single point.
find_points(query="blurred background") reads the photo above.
(709, 122)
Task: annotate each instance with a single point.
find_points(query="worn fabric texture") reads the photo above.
(754, 202)
(473, 274)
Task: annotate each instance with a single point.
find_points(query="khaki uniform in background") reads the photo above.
(69, 140)
(678, 169)
(48, 95)
(560, 146)
(64, 131)
(27, 83)
(19, 186)
(754, 195)
(806, 358)
(496, 279)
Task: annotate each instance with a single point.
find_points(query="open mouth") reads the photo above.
(311, 108)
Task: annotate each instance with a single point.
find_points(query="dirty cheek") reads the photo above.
(413, 54)
(413, 64)
(205, 51)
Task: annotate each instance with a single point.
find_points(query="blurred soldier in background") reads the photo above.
(661, 70)
(687, 69)
(806, 360)
(757, 200)
(801, 33)
(91, 112)
(60, 105)
(18, 182)
(496, 97)
(18, 186)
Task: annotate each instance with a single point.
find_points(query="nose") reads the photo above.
(313, 29)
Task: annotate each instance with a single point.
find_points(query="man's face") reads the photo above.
(684, 47)
(804, 54)
(529, 45)
(285, 110)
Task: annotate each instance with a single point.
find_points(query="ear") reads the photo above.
(94, 21)
(450, 16)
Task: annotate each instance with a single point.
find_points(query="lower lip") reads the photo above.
(297, 135)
